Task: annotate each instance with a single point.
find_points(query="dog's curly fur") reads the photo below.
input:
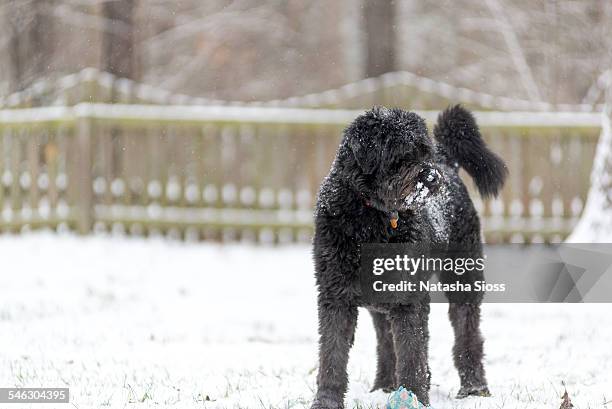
(384, 155)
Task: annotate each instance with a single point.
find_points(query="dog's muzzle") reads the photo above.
(428, 182)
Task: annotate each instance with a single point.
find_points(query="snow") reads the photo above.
(418, 195)
(156, 323)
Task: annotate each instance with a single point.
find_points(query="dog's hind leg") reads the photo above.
(409, 328)
(464, 314)
(385, 353)
(468, 349)
(337, 332)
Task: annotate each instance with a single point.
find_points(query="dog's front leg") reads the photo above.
(468, 349)
(337, 332)
(385, 353)
(410, 337)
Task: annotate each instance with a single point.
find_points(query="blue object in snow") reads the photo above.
(404, 399)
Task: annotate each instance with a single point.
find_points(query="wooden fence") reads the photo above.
(251, 173)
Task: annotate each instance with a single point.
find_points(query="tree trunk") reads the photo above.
(595, 225)
(30, 45)
(379, 18)
(118, 54)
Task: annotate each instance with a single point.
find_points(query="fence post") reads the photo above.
(84, 188)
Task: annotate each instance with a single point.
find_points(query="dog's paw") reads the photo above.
(482, 390)
(386, 389)
(326, 403)
(385, 386)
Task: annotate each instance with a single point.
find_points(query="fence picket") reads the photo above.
(84, 199)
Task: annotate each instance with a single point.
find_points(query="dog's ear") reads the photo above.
(366, 150)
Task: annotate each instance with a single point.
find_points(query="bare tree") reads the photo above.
(118, 53)
(379, 19)
(553, 50)
(516, 51)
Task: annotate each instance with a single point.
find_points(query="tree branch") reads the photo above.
(518, 57)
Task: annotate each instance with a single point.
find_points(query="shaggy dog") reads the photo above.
(385, 160)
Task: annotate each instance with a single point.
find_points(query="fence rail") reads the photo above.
(251, 173)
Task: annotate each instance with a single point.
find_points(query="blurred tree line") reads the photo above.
(548, 50)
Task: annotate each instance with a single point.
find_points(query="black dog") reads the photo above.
(377, 192)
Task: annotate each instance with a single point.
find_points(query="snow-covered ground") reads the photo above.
(137, 323)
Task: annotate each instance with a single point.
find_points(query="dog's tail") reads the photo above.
(459, 142)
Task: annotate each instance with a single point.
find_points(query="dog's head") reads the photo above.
(388, 157)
